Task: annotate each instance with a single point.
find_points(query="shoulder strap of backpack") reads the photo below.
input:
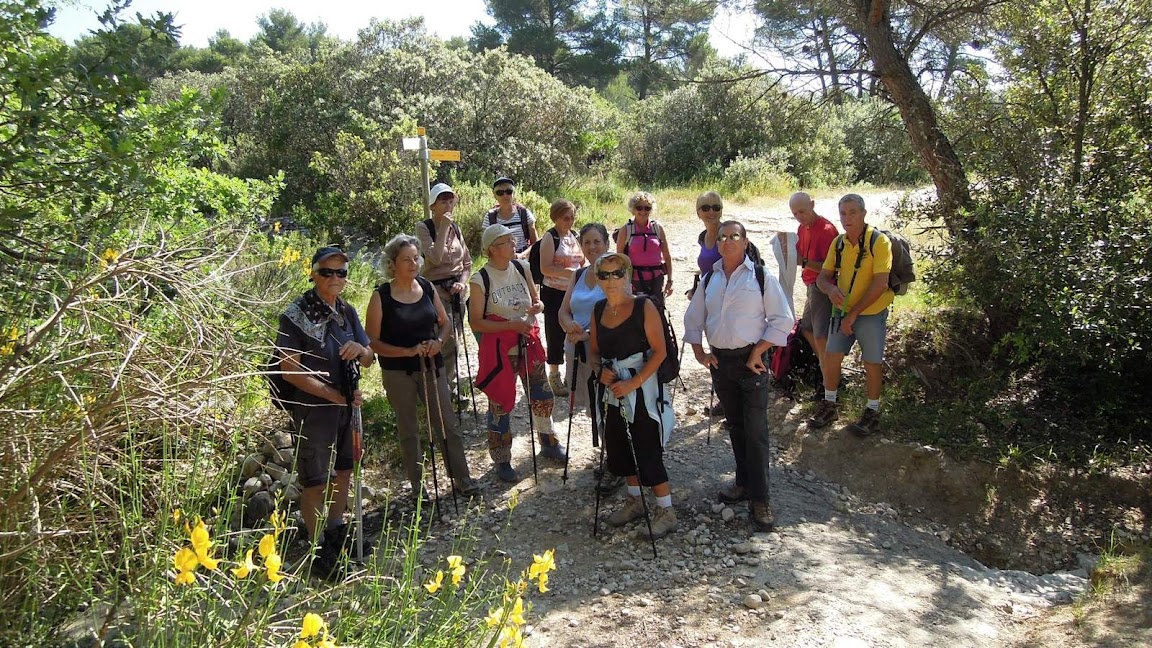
(520, 268)
(491, 216)
(598, 309)
(872, 241)
(555, 238)
(707, 278)
(839, 251)
(759, 270)
(431, 225)
(524, 225)
(487, 289)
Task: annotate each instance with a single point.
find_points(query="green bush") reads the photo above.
(763, 174)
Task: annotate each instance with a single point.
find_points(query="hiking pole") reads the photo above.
(571, 404)
(600, 478)
(457, 305)
(351, 382)
(431, 440)
(522, 342)
(443, 430)
(636, 465)
(455, 363)
(711, 406)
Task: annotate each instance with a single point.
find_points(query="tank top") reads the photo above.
(568, 256)
(644, 250)
(406, 325)
(626, 339)
(708, 255)
(583, 299)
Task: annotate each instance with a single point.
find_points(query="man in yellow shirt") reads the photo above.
(855, 278)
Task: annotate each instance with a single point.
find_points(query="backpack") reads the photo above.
(752, 252)
(756, 268)
(669, 369)
(282, 392)
(649, 257)
(903, 268)
(521, 210)
(488, 284)
(431, 225)
(795, 364)
(534, 255)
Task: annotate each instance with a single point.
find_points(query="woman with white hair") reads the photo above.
(407, 326)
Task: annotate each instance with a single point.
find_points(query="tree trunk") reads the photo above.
(931, 144)
(1083, 91)
(833, 69)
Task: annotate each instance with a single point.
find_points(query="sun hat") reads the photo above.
(436, 190)
(491, 233)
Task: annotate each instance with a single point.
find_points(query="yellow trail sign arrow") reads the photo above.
(443, 155)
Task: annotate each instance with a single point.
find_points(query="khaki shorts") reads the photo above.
(817, 313)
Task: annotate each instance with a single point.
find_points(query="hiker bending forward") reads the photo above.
(627, 345)
(744, 312)
(408, 325)
(503, 311)
(319, 334)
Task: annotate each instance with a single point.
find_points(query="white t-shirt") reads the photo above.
(508, 294)
(513, 223)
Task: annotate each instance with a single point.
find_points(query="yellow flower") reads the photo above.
(203, 546)
(512, 638)
(176, 515)
(456, 568)
(276, 227)
(301, 644)
(108, 258)
(517, 615)
(267, 545)
(8, 342)
(513, 501)
(245, 567)
(185, 560)
(289, 257)
(185, 578)
(541, 565)
(434, 584)
(495, 617)
(312, 625)
(279, 522)
(273, 563)
(326, 643)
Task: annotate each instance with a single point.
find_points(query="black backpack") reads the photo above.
(534, 255)
(756, 268)
(669, 369)
(282, 392)
(431, 225)
(494, 213)
(752, 252)
(795, 364)
(903, 267)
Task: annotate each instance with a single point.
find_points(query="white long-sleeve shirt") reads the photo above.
(733, 313)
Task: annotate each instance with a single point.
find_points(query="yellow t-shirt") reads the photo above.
(880, 260)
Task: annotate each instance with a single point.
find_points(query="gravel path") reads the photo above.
(836, 572)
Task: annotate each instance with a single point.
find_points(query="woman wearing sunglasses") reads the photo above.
(511, 214)
(503, 310)
(627, 346)
(407, 324)
(319, 334)
(643, 240)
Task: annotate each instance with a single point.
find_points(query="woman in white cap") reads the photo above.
(447, 264)
(503, 310)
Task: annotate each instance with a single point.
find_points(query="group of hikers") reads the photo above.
(602, 300)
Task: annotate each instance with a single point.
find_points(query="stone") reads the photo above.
(281, 456)
(727, 514)
(252, 486)
(265, 479)
(276, 472)
(251, 465)
(282, 440)
(753, 602)
(292, 492)
(367, 493)
(742, 548)
(257, 509)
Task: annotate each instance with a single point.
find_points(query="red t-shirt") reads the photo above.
(813, 244)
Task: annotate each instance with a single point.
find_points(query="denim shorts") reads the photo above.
(869, 330)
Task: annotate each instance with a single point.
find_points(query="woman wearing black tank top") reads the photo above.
(627, 342)
(407, 325)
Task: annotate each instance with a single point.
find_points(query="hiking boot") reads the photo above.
(466, 487)
(714, 410)
(327, 564)
(609, 483)
(663, 522)
(818, 394)
(341, 539)
(632, 509)
(826, 412)
(868, 424)
(733, 493)
(506, 473)
(559, 389)
(762, 516)
(551, 448)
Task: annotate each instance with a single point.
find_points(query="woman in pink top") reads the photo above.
(560, 257)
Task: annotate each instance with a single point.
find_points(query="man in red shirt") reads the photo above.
(816, 234)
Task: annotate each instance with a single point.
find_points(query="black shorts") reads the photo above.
(646, 437)
(325, 443)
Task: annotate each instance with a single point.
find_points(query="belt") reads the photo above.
(742, 352)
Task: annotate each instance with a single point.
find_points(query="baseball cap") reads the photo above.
(491, 233)
(325, 252)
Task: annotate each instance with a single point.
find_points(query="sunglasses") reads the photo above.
(714, 208)
(730, 237)
(605, 275)
(328, 273)
(642, 208)
(504, 192)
